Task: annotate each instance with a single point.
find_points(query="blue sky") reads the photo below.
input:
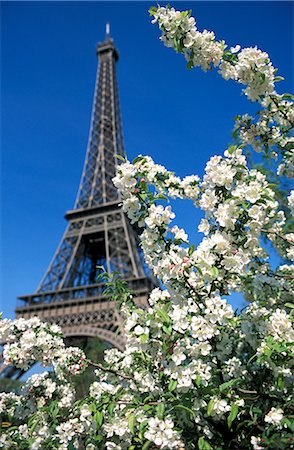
(179, 117)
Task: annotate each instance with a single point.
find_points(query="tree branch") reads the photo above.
(105, 369)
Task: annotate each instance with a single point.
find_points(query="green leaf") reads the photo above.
(210, 406)
(160, 408)
(53, 410)
(288, 97)
(131, 423)
(152, 10)
(167, 329)
(163, 315)
(146, 445)
(203, 444)
(287, 422)
(111, 408)
(143, 196)
(121, 158)
(289, 305)
(146, 407)
(160, 197)
(280, 380)
(227, 384)
(291, 424)
(143, 425)
(232, 149)
(34, 423)
(71, 446)
(138, 159)
(92, 407)
(190, 65)
(199, 270)
(185, 408)
(214, 272)
(278, 79)
(144, 338)
(99, 418)
(198, 380)
(233, 414)
(191, 249)
(177, 45)
(172, 385)
(186, 13)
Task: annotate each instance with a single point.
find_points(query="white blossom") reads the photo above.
(274, 416)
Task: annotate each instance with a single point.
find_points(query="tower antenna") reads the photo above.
(107, 30)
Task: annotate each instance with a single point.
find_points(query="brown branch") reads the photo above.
(245, 391)
(277, 234)
(105, 369)
(290, 277)
(137, 404)
(282, 112)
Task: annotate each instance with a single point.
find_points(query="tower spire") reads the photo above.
(107, 31)
(105, 137)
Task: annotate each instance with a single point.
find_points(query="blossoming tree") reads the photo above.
(194, 374)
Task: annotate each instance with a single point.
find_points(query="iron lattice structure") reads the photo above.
(98, 233)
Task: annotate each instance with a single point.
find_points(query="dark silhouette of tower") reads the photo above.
(98, 233)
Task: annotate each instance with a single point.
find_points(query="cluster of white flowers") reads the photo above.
(101, 387)
(280, 326)
(70, 360)
(249, 66)
(256, 443)
(274, 416)
(9, 403)
(45, 386)
(68, 433)
(117, 427)
(271, 131)
(162, 433)
(234, 198)
(241, 203)
(132, 181)
(286, 167)
(258, 134)
(159, 216)
(267, 287)
(219, 406)
(234, 368)
(29, 341)
(291, 202)
(252, 68)
(179, 29)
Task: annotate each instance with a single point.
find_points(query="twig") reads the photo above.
(245, 391)
(282, 112)
(278, 234)
(137, 404)
(105, 369)
(280, 275)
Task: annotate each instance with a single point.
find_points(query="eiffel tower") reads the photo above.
(97, 234)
